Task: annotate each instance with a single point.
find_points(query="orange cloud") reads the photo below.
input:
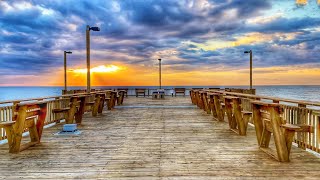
(249, 38)
(302, 2)
(139, 75)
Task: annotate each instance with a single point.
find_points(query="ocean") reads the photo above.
(311, 93)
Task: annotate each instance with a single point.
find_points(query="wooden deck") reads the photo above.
(153, 139)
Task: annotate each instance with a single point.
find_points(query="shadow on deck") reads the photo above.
(153, 139)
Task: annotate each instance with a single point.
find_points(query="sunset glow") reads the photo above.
(99, 69)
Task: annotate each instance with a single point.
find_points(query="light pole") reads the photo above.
(159, 73)
(65, 69)
(88, 54)
(250, 67)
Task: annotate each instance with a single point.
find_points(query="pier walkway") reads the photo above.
(153, 139)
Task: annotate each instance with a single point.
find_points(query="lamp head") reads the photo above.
(248, 51)
(68, 52)
(159, 59)
(94, 28)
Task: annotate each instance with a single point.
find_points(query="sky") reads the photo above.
(200, 42)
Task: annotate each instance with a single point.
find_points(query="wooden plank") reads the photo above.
(153, 143)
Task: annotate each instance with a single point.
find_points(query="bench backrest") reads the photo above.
(28, 110)
(140, 90)
(179, 89)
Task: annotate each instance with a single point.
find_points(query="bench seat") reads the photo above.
(90, 103)
(60, 110)
(246, 112)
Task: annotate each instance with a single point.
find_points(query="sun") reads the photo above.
(99, 69)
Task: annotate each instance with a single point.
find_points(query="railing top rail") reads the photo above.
(302, 102)
(48, 97)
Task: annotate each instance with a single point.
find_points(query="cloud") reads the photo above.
(202, 33)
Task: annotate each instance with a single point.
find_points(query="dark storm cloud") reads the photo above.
(156, 13)
(247, 8)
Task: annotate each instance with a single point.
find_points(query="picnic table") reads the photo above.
(30, 115)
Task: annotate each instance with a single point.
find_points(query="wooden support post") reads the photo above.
(10, 133)
(34, 136)
(258, 124)
(219, 110)
(96, 104)
(15, 110)
(101, 104)
(228, 108)
(80, 112)
(212, 106)
(205, 103)
(112, 99)
(280, 141)
(121, 95)
(41, 118)
(301, 119)
(18, 129)
(201, 103)
(197, 98)
(73, 109)
(192, 97)
(57, 105)
(241, 122)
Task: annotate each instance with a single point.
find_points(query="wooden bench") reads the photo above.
(267, 122)
(140, 91)
(158, 95)
(64, 92)
(98, 103)
(238, 119)
(69, 111)
(180, 91)
(24, 117)
(121, 95)
(125, 90)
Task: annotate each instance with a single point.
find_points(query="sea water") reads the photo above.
(310, 93)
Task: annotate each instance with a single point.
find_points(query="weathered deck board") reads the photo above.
(153, 143)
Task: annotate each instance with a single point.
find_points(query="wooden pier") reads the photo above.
(148, 139)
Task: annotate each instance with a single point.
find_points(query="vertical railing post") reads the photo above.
(88, 58)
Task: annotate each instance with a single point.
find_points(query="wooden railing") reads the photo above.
(53, 102)
(294, 112)
(148, 91)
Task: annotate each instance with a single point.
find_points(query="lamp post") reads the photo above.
(250, 67)
(65, 69)
(159, 73)
(88, 54)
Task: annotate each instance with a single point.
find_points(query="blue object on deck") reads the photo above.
(69, 127)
